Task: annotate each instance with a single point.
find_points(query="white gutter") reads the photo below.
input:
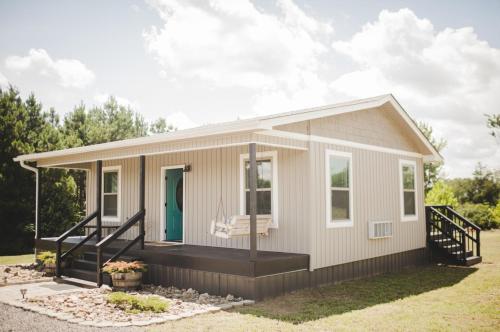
(34, 170)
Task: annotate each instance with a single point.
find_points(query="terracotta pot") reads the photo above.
(127, 280)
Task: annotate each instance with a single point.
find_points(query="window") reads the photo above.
(267, 176)
(338, 189)
(407, 169)
(111, 193)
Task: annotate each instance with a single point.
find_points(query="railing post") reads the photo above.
(58, 259)
(252, 185)
(99, 266)
(478, 243)
(142, 181)
(99, 200)
(464, 248)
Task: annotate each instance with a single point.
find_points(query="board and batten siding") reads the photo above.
(215, 171)
(376, 186)
(376, 197)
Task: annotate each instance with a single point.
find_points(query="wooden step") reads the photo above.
(473, 260)
(75, 282)
(84, 264)
(85, 275)
(92, 256)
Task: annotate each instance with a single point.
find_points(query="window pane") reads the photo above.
(264, 173)
(340, 205)
(263, 202)
(408, 177)
(409, 197)
(111, 182)
(339, 172)
(110, 207)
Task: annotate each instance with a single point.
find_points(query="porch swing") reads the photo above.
(238, 225)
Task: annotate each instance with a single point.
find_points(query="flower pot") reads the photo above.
(127, 280)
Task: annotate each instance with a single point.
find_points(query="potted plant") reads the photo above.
(125, 274)
(47, 259)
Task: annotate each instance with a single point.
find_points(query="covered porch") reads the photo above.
(175, 264)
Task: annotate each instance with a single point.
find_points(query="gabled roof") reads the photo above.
(253, 124)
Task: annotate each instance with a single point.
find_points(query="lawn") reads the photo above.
(17, 259)
(443, 298)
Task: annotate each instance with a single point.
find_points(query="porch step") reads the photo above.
(84, 264)
(92, 256)
(85, 275)
(472, 260)
(75, 282)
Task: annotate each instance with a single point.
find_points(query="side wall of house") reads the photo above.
(215, 171)
(376, 187)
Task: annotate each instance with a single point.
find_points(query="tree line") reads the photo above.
(26, 128)
(477, 197)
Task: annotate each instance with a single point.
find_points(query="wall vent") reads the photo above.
(379, 229)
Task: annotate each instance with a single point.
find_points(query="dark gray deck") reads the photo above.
(202, 258)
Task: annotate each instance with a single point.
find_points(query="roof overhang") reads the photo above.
(252, 126)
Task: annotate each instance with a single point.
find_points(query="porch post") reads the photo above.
(38, 196)
(142, 182)
(99, 200)
(253, 200)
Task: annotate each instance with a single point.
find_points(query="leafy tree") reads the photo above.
(493, 122)
(483, 187)
(479, 214)
(160, 126)
(431, 170)
(441, 194)
(25, 129)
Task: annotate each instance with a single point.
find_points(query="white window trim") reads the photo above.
(116, 219)
(273, 155)
(337, 223)
(413, 217)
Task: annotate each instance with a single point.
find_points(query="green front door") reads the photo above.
(173, 204)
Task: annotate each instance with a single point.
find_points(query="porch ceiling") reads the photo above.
(82, 160)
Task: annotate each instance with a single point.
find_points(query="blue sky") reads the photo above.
(198, 62)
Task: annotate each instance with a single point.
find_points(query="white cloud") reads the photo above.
(180, 120)
(235, 44)
(3, 81)
(68, 72)
(447, 78)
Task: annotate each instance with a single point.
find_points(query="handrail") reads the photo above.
(61, 256)
(122, 229)
(138, 217)
(463, 219)
(457, 222)
(70, 231)
(446, 232)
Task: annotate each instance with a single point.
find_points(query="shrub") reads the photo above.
(124, 267)
(441, 194)
(479, 214)
(46, 257)
(137, 303)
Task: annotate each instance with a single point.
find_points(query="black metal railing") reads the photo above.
(102, 245)
(60, 256)
(452, 232)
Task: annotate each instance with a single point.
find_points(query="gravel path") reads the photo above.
(15, 319)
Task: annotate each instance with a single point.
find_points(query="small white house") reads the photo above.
(339, 194)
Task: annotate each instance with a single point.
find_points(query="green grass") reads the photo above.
(439, 298)
(17, 259)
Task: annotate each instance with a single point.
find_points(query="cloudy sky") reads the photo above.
(198, 62)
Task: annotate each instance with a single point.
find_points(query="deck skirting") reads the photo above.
(261, 287)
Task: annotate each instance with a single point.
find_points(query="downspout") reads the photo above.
(34, 170)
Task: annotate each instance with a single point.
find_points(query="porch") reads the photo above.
(209, 259)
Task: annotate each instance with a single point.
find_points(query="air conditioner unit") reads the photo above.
(379, 229)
